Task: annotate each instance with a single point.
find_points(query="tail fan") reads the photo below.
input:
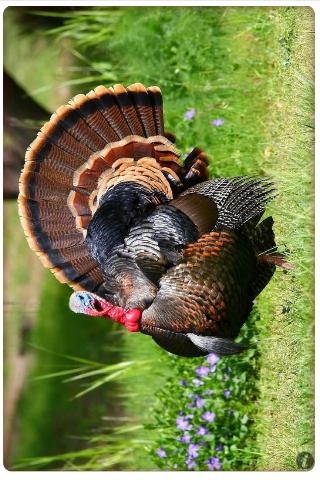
(84, 149)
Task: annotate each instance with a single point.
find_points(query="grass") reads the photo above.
(250, 66)
(285, 418)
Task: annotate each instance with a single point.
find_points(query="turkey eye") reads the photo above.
(81, 297)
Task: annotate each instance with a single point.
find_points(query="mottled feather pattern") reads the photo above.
(207, 291)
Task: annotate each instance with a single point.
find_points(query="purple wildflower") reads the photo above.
(208, 392)
(190, 463)
(183, 424)
(180, 413)
(189, 416)
(208, 416)
(197, 382)
(225, 377)
(226, 393)
(213, 368)
(183, 383)
(219, 447)
(202, 431)
(214, 463)
(190, 114)
(191, 405)
(212, 358)
(185, 155)
(202, 371)
(199, 402)
(193, 450)
(217, 122)
(185, 438)
(161, 453)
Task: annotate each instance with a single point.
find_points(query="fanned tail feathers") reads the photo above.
(81, 143)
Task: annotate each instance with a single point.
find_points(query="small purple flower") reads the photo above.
(180, 413)
(202, 371)
(212, 358)
(199, 402)
(202, 431)
(226, 393)
(191, 405)
(190, 463)
(217, 122)
(161, 453)
(190, 114)
(208, 416)
(213, 368)
(197, 382)
(183, 424)
(208, 392)
(193, 450)
(185, 155)
(185, 438)
(183, 383)
(214, 463)
(219, 447)
(225, 377)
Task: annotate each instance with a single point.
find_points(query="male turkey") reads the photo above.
(108, 207)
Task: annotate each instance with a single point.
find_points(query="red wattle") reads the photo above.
(133, 315)
(132, 318)
(128, 318)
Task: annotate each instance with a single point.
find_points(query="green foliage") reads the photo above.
(232, 430)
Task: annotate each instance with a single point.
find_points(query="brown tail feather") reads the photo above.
(156, 102)
(111, 111)
(88, 108)
(276, 259)
(140, 98)
(128, 109)
(263, 240)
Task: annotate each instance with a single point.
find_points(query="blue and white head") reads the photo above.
(81, 302)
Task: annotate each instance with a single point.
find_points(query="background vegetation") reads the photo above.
(251, 68)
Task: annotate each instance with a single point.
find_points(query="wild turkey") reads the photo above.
(140, 237)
